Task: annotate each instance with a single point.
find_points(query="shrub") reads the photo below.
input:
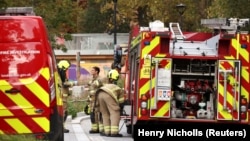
(76, 104)
(17, 138)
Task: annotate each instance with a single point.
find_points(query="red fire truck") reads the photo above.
(174, 76)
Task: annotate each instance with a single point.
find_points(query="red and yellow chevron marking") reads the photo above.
(237, 52)
(146, 82)
(59, 96)
(232, 99)
(163, 107)
(17, 111)
(243, 55)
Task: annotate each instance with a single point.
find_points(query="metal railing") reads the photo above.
(94, 43)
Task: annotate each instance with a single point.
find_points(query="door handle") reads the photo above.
(12, 91)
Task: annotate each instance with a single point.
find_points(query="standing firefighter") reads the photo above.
(93, 86)
(110, 96)
(63, 66)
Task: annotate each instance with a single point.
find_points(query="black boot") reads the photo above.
(65, 116)
(66, 130)
(64, 119)
(116, 135)
(93, 131)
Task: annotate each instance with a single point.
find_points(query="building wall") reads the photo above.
(95, 49)
(93, 44)
(86, 66)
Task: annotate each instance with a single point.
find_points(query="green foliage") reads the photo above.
(229, 8)
(92, 19)
(60, 15)
(72, 109)
(163, 10)
(67, 37)
(16, 138)
(76, 105)
(3, 4)
(96, 16)
(60, 45)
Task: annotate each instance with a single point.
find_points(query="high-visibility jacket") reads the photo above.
(63, 65)
(94, 85)
(114, 91)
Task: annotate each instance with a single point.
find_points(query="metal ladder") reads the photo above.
(176, 31)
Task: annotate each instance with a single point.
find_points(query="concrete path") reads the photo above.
(76, 132)
(80, 126)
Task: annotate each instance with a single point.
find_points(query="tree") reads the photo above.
(229, 8)
(96, 16)
(92, 20)
(61, 17)
(163, 10)
(3, 4)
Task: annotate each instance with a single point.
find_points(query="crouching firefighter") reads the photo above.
(63, 66)
(109, 98)
(114, 78)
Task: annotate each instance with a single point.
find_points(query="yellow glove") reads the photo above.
(87, 110)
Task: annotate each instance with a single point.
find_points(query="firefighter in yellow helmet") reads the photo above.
(63, 66)
(94, 84)
(110, 96)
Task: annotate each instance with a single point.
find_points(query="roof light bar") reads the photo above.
(17, 11)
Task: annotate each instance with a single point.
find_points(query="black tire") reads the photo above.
(56, 126)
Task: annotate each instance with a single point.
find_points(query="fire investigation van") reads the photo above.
(177, 77)
(30, 98)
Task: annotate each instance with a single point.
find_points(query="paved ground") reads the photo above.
(76, 132)
(79, 131)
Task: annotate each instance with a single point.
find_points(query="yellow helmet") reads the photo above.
(64, 64)
(113, 74)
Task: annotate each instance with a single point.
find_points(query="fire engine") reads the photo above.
(175, 76)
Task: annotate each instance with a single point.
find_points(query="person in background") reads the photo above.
(109, 97)
(62, 67)
(94, 84)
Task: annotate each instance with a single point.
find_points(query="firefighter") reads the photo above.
(94, 84)
(115, 78)
(110, 96)
(63, 66)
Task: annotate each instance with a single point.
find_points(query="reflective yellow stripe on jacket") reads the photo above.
(94, 85)
(114, 91)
